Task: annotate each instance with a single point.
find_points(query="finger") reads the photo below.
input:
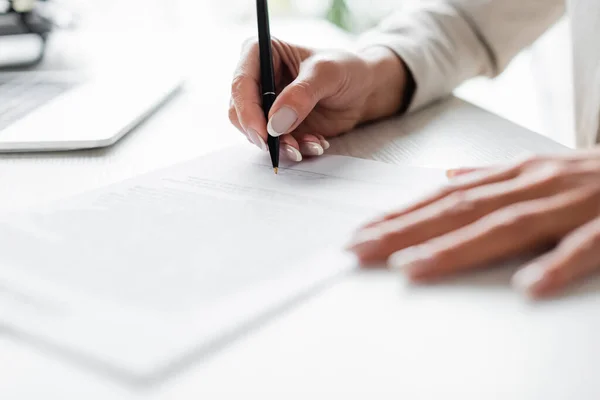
(233, 118)
(309, 144)
(548, 169)
(377, 243)
(245, 93)
(452, 173)
(316, 80)
(579, 156)
(472, 181)
(289, 148)
(249, 111)
(457, 210)
(577, 256)
(304, 129)
(324, 142)
(505, 233)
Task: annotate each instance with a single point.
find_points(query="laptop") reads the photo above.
(56, 109)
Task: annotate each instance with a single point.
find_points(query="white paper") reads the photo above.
(142, 277)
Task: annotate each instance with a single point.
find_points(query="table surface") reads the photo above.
(354, 337)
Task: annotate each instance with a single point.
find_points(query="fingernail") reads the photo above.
(415, 262)
(256, 139)
(364, 243)
(451, 173)
(311, 149)
(290, 153)
(325, 144)
(281, 121)
(529, 279)
(361, 246)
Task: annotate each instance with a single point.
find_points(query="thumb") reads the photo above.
(315, 81)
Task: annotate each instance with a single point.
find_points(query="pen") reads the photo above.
(267, 75)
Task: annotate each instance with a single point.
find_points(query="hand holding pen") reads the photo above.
(320, 94)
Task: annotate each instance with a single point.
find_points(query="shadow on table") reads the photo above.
(497, 278)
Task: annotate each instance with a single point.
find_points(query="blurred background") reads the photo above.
(534, 92)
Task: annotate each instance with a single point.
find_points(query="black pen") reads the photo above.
(267, 75)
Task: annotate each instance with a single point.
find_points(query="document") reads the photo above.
(142, 277)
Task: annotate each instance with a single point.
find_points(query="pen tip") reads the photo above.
(276, 170)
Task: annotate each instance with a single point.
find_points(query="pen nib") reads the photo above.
(276, 170)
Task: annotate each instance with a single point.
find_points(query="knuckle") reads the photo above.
(529, 161)
(387, 236)
(458, 203)
(514, 219)
(457, 198)
(593, 241)
(554, 173)
(590, 240)
(447, 256)
(236, 84)
(556, 273)
(233, 117)
(325, 67)
(302, 92)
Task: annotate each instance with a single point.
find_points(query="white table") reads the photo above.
(353, 338)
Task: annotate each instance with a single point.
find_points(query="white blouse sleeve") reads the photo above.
(445, 42)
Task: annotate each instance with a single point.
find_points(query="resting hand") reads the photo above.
(490, 214)
(322, 94)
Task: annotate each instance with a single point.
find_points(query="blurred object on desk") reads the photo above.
(134, 16)
(78, 89)
(23, 33)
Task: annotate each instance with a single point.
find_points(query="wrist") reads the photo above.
(387, 94)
